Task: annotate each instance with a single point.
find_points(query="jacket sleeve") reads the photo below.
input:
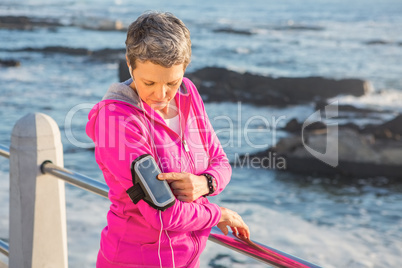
(218, 166)
(120, 139)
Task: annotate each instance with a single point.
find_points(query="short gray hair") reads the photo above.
(159, 37)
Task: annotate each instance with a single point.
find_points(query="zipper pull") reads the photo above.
(186, 146)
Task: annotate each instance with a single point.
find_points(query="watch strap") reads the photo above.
(211, 184)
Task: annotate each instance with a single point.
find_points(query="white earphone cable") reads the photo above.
(159, 240)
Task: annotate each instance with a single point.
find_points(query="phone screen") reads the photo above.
(148, 170)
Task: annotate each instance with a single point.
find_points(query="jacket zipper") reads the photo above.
(187, 149)
(193, 235)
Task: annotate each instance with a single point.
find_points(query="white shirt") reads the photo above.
(174, 124)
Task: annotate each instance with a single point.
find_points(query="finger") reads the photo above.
(184, 198)
(243, 232)
(234, 230)
(170, 176)
(183, 192)
(237, 232)
(246, 231)
(243, 228)
(176, 185)
(187, 198)
(223, 228)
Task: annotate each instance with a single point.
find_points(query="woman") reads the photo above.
(159, 112)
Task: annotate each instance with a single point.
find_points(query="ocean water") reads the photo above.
(334, 222)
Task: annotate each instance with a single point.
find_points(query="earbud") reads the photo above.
(131, 71)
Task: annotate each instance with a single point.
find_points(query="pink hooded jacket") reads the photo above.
(123, 128)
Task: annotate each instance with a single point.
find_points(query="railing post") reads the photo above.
(3, 265)
(38, 236)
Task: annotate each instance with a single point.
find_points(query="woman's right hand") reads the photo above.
(236, 223)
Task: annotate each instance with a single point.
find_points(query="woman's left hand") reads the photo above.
(186, 187)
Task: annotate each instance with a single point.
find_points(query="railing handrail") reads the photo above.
(75, 178)
(4, 151)
(260, 252)
(4, 247)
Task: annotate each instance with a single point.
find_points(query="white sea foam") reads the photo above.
(86, 217)
(389, 99)
(21, 74)
(325, 246)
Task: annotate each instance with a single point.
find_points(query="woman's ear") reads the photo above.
(128, 62)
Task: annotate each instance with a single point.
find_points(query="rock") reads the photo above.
(110, 54)
(219, 84)
(123, 71)
(313, 166)
(102, 54)
(309, 88)
(352, 147)
(394, 125)
(319, 105)
(377, 42)
(92, 23)
(298, 28)
(233, 31)
(359, 155)
(59, 49)
(351, 126)
(100, 24)
(388, 130)
(26, 23)
(9, 63)
(392, 154)
(287, 145)
(293, 126)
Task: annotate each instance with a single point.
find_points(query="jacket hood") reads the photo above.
(123, 92)
(117, 92)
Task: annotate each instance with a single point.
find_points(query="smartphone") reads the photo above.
(157, 193)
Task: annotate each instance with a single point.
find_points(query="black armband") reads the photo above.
(146, 185)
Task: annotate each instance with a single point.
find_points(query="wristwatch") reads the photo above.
(211, 184)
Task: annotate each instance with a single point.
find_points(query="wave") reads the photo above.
(383, 100)
(323, 245)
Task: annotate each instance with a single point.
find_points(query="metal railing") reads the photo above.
(262, 253)
(4, 151)
(76, 179)
(4, 247)
(252, 249)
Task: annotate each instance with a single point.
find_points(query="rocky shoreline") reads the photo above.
(362, 151)
(370, 151)
(219, 84)
(31, 23)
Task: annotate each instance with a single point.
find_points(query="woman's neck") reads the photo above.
(169, 111)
